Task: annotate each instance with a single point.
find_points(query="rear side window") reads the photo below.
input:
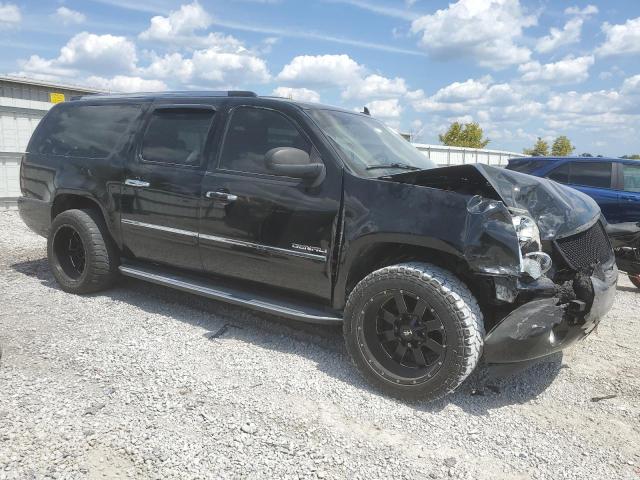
(526, 166)
(587, 174)
(251, 133)
(177, 136)
(631, 177)
(89, 131)
(560, 174)
(591, 174)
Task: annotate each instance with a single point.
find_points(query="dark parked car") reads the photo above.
(614, 183)
(320, 215)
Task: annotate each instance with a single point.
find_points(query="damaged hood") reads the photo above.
(558, 210)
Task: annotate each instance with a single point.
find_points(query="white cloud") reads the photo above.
(301, 94)
(568, 35)
(568, 70)
(88, 52)
(375, 86)
(385, 109)
(10, 15)
(586, 11)
(122, 83)
(321, 70)
(68, 16)
(219, 69)
(179, 23)
(571, 31)
(622, 39)
(483, 30)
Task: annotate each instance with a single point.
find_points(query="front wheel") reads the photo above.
(414, 330)
(81, 254)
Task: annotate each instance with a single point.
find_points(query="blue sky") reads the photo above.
(521, 68)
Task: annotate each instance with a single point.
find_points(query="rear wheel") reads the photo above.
(414, 330)
(81, 254)
(635, 279)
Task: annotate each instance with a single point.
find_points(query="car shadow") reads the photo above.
(479, 394)
(622, 288)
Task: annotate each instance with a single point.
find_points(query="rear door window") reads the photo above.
(591, 174)
(177, 136)
(88, 131)
(631, 175)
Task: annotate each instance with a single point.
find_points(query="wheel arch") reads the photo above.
(364, 257)
(67, 200)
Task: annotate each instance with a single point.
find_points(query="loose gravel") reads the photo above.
(144, 382)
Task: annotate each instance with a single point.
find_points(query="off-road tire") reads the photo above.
(100, 253)
(457, 309)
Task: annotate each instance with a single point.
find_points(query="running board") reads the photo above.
(218, 291)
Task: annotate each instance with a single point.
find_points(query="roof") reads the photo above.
(45, 83)
(193, 94)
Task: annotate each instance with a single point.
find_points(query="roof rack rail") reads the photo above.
(187, 93)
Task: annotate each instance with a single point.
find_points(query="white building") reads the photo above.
(443, 155)
(23, 102)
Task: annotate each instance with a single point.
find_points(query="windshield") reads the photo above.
(369, 147)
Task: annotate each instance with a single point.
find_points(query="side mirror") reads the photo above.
(292, 162)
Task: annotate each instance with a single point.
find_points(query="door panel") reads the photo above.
(162, 187)
(266, 228)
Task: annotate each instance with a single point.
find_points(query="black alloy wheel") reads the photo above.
(405, 335)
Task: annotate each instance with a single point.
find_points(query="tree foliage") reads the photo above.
(635, 156)
(562, 147)
(468, 135)
(540, 149)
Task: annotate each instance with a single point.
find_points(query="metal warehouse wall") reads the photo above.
(443, 155)
(23, 103)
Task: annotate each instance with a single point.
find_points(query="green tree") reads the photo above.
(540, 149)
(635, 156)
(562, 147)
(468, 135)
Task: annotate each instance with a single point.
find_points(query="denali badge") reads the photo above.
(308, 248)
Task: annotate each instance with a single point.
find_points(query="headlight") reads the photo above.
(528, 233)
(533, 261)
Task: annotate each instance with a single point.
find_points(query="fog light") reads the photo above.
(536, 264)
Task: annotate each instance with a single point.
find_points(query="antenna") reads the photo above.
(366, 111)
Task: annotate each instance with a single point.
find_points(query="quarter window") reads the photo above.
(631, 177)
(591, 174)
(177, 136)
(588, 174)
(252, 132)
(88, 131)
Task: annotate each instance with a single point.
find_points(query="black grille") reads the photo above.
(587, 248)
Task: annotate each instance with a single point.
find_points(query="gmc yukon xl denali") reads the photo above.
(319, 215)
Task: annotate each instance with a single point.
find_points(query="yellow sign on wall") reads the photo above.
(55, 97)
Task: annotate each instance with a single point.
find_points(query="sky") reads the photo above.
(522, 69)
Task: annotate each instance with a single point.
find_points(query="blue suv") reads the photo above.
(614, 183)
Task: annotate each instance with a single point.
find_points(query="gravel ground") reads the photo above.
(127, 384)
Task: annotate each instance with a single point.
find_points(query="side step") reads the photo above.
(216, 290)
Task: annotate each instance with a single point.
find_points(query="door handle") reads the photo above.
(136, 183)
(223, 196)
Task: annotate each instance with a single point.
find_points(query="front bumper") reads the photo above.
(542, 327)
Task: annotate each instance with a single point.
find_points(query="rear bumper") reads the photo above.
(36, 214)
(542, 327)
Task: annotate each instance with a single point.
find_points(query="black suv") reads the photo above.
(321, 215)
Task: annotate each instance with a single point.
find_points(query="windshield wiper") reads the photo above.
(402, 166)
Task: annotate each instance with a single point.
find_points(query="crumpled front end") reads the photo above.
(544, 265)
